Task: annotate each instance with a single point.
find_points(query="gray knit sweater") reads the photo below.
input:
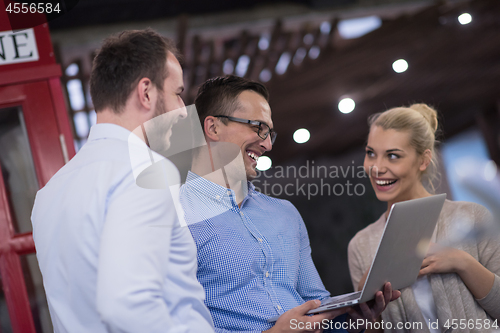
(452, 298)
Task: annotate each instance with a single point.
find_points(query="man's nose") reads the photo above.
(183, 113)
(266, 143)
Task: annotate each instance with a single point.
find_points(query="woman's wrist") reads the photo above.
(464, 263)
(478, 279)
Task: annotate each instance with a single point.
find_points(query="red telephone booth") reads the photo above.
(35, 142)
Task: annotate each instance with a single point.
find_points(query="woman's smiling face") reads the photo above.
(393, 165)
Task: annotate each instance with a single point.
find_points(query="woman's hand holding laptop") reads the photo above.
(371, 310)
(296, 320)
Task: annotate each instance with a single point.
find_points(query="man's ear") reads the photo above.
(425, 160)
(146, 93)
(211, 128)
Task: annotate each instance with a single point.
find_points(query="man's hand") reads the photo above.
(297, 317)
(370, 311)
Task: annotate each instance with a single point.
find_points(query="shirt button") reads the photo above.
(279, 307)
(267, 274)
(217, 197)
(260, 240)
(241, 213)
(228, 192)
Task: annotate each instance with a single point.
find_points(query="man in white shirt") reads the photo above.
(113, 255)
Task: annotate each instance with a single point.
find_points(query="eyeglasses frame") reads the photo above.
(255, 123)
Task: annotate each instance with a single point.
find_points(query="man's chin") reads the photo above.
(251, 174)
(162, 148)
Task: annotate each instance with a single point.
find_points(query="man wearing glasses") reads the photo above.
(253, 250)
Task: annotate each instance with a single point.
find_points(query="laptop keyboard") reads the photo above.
(341, 298)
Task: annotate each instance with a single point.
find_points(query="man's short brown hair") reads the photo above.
(219, 96)
(123, 60)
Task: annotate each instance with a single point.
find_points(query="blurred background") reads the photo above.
(328, 64)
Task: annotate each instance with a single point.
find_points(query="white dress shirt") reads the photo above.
(112, 254)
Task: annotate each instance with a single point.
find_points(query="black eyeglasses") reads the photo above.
(264, 129)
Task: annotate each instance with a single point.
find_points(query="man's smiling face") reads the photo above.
(169, 107)
(252, 106)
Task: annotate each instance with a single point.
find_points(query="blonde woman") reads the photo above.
(456, 285)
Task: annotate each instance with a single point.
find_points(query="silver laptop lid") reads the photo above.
(404, 243)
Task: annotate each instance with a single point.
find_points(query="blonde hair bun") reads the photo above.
(429, 114)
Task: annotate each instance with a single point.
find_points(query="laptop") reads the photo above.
(402, 248)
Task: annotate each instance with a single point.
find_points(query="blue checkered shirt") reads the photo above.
(255, 261)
